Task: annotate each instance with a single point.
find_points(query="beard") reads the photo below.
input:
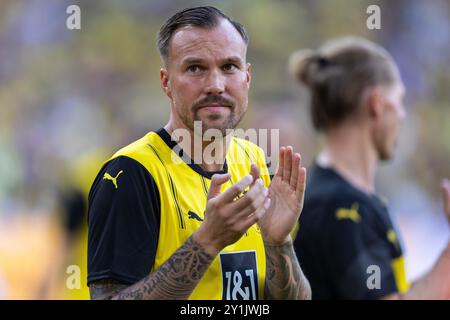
(385, 155)
(220, 122)
(387, 149)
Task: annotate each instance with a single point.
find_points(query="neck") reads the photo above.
(349, 150)
(209, 155)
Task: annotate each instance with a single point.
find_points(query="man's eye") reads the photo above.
(229, 67)
(193, 68)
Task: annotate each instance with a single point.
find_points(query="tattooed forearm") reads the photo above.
(284, 278)
(175, 279)
(105, 289)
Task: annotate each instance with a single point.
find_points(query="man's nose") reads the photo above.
(215, 83)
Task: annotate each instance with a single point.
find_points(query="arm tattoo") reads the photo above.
(175, 279)
(285, 279)
(105, 289)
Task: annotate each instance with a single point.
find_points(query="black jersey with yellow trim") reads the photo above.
(347, 244)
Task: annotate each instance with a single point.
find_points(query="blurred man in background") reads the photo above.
(168, 228)
(346, 242)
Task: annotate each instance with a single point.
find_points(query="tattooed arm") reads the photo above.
(284, 278)
(105, 289)
(175, 279)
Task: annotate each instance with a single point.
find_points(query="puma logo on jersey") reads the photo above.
(107, 176)
(193, 215)
(351, 214)
(392, 238)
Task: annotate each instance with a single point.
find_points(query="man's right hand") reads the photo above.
(228, 218)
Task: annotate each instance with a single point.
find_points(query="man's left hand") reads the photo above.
(286, 193)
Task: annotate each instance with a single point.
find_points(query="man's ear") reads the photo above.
(165, 82)
(249, 74)
(375, 101)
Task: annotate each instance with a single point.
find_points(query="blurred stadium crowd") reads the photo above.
(69, 98)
